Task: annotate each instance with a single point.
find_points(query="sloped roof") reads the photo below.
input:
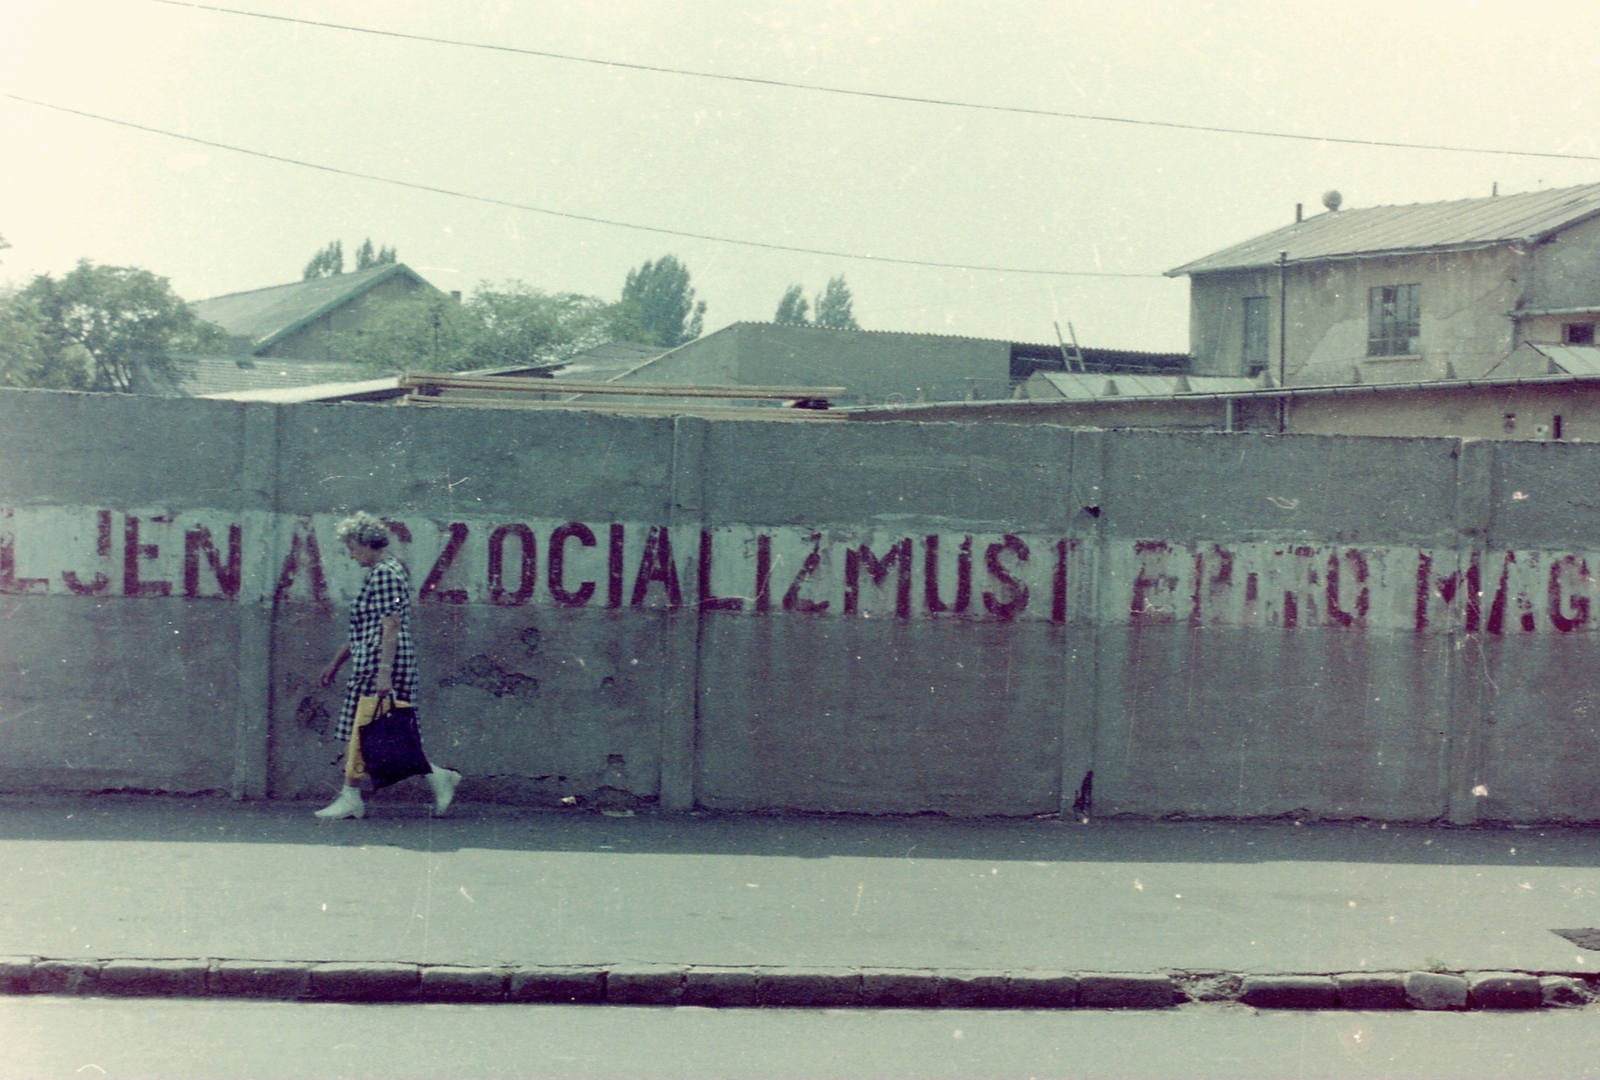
(1546, 359)
(1077, 386)
(601, 363)
(383, 389)
(1393, 230)
(268, 315)
(214, 375)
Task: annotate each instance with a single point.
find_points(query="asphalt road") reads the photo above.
(76, 1038)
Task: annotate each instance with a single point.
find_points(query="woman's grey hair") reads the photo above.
(364, 529)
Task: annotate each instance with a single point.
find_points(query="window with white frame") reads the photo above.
(1393, 320)
(1255, 334)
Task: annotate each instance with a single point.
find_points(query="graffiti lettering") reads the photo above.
(430, 586)
(898, 558)
(709, 602)
(657, 565)
(198, 542)
(1336, 615)
(763, 573)
(528, 576)
(10, 584)
(1058, 581)
(1579, 603)
(133, 553)
(614, 569)
(555, 571)
(1151, 578)
(745, 569)
(1012, 605)
(100, 583)
(303, 544)
(1474, 595)
(1497, 610)
(930, 577)
(792, 600)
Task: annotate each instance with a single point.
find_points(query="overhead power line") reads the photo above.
(914, 99)
(589, 218)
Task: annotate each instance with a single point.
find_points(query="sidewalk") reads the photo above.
(115, 877)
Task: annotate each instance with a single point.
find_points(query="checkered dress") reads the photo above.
(387, 591)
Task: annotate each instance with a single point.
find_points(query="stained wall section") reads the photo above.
(906, 617)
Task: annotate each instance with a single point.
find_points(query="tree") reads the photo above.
(325, 263)
(519, 325)
(426, 331)
(661, 304)
(793, 309)
(366, 258)
(102, 327)
(834, 306)
(515, 324)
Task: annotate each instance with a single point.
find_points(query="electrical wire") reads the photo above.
(589, 218)
(884, 96)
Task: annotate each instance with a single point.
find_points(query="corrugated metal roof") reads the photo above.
(1076, 386)
(1464, 223)
(265, 315)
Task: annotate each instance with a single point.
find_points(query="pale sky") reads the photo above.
(767, 164)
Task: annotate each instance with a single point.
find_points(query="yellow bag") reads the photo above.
(355, 769)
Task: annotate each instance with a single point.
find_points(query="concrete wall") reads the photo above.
(1528, 412)
(970, 619)
(878, 365)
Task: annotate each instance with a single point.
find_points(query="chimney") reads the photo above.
(455, 294)
(1299, 212)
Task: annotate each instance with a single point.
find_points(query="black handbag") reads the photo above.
(391, 744)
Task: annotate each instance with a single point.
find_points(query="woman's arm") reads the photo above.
(384, 683)
(331, 672)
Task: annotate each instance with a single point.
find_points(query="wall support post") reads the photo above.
(258, 484)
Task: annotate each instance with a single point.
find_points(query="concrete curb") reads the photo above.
(790, 987)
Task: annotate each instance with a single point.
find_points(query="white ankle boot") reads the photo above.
(347, 805)
(443, 782)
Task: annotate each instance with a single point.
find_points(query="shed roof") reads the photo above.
(1077, 386)
(268, 315)
(1463, 224)
(386, 388)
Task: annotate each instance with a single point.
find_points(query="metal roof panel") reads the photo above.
(1464, 223)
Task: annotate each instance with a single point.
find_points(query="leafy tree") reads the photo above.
(661, 304)
(519, 324)
(834, 306)
(23, 359)
(325, 263)
(366, 258)
(125, 320)
(515, 324)
(793, 309)
(427, 331)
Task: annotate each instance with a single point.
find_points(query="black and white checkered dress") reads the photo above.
(387, 591)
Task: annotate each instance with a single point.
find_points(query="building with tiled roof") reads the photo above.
(302, 320)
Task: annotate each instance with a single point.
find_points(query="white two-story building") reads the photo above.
(1432, 291)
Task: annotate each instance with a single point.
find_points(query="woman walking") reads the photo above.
(382, 654)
